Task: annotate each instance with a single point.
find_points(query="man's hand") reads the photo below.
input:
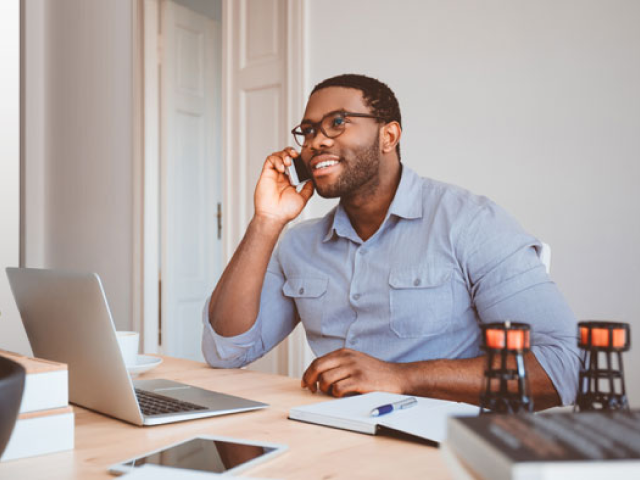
(346, 371)
(275, 197)
(235, 302)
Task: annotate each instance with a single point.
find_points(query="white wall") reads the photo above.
(534, 104)
(78, 205)
(12, 336)
(34, 120)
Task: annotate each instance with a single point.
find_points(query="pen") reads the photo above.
(392, 407)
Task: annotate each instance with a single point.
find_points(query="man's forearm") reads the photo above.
(235, 302)
(462, 380)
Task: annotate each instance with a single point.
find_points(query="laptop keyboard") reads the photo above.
(154, 404)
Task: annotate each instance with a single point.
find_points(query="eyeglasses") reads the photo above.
(332, 125)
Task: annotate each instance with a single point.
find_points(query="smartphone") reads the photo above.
(298, 173)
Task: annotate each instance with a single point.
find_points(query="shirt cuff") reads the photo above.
(562, 365)
(228, 352)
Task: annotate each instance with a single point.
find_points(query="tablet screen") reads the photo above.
(203, 454)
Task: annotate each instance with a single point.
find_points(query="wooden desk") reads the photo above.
(315, 452)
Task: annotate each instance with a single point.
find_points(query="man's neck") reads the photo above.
(368, 208)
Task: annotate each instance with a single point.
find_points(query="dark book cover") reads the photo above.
(556, 437)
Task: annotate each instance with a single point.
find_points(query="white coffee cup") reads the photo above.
(128, 342)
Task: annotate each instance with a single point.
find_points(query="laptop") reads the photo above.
(67, 319)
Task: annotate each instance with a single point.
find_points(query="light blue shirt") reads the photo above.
(442, 261)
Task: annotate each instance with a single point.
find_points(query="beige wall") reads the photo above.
(534, 104)
(78, 200)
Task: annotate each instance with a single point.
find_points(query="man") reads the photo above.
(392, 283)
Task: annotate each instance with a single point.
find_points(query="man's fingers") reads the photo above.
(282, 159)
(277, 162)
(307, 191)
(328, 378)
(345, 387)
(291, 152)
(310, 377)
(317, 367)
(313, 388)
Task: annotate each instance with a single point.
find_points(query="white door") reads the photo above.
(264, 98)
(191, 245)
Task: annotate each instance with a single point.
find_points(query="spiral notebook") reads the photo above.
(426, 421)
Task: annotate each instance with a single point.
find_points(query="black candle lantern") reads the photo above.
(506, 389)
(601, 382)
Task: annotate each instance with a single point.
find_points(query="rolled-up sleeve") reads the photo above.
(509, 282)
(276, 319)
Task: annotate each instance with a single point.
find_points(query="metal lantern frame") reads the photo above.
(601, 383)
(502, 341)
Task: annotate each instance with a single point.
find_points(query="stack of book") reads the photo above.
(45, 423)
(564, 445)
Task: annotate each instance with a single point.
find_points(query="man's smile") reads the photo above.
(323, 164)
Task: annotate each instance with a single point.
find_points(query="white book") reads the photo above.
(46, 384)
(426, 420)
(39, 433)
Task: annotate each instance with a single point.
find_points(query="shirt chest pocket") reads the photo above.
(420, 300)
(309, 295)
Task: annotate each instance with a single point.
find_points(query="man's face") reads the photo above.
(342, 166)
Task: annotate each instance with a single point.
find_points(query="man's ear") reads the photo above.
(391, 134)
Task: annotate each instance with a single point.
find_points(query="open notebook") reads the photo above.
(427, 420)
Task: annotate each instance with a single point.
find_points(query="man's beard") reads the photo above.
(359, 168)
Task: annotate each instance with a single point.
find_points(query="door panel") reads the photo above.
(264, 98)
(256, 116)
(260, 110)
(191, 250)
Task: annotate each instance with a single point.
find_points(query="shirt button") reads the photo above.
(417, 282)
(356, 296)
(301, 291)
(362, 251)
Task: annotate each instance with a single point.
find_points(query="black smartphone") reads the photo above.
(298, 172)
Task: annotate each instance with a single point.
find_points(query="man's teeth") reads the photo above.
(328, 163)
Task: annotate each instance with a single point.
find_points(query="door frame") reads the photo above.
(145, 299)
(146, 159)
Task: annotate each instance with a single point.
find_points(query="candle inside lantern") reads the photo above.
(495, 338)
(600, 337)
(515, 339)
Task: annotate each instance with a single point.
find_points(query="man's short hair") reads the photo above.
(377, 96)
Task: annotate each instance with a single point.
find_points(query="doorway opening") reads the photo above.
(196, 170)
(182, 199)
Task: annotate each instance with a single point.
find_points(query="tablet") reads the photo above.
(205, 453)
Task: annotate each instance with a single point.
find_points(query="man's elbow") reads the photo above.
(216, 361)
(554, 377)
(219, 357)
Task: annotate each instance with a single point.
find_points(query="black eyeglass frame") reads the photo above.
(317, 126)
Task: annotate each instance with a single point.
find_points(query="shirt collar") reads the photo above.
(341, 226)
(407, 203)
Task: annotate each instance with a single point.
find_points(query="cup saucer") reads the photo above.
(144, 364)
